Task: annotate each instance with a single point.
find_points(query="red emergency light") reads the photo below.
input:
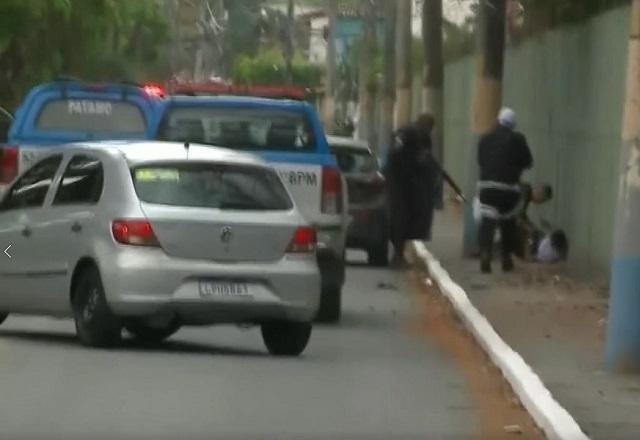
(154, 90)
(221, 88)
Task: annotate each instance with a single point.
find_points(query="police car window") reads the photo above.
(81, 183)
(206, 186)
(245, 128)
(31, 189)
(352, 160)
(91, 116)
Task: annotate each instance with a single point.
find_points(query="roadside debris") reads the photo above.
(513, 429)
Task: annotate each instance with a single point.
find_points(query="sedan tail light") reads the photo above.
(8, 163)
(304, 240)
(331, 191)
(135, 232)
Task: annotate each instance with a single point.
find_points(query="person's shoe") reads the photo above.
(507, 265)
(485, 266)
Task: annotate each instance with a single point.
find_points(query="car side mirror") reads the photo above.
(6, 119)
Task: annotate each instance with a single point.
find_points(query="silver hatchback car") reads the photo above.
(150, 236)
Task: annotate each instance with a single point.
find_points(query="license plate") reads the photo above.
(221, 289)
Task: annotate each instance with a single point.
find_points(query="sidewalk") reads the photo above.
(556, 323)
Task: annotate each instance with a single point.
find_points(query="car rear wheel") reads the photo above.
(3, 317)
(330, 305)
(96, 325)
(379, 255)
(286, 338)
(144, 332)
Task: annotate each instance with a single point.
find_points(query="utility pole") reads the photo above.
(487, 97)
(404, 74)
(329, 103)
(289, 47)
(623, 333)
(389, 76)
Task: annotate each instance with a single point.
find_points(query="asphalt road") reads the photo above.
(368, 378)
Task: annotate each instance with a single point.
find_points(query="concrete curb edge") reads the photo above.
(548, 414)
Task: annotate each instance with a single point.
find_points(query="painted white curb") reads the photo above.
(549, 415)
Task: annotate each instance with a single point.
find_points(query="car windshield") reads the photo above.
(91, 116)
(227, 187)
(261, 129)
(354, 160)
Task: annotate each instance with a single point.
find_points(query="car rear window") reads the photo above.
(227, 187)
(354, 160)
(261, 129)
(91, 116)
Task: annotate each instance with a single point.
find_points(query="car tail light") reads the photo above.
(304, 240)
(331, 191)
(134, 232)
(8, 164)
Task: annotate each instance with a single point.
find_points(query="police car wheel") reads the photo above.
(330, 305)
(379, 255)
(283, 338)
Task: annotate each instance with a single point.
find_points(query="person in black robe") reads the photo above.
(411, 176)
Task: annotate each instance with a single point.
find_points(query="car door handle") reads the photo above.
(76, 227)
(26, 231)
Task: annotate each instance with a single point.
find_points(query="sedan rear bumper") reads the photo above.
(147, 282)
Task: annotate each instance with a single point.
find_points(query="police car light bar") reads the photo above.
(154, 90)
(220, 88)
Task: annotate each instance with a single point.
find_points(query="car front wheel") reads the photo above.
(96, 325)
(284, 338)
(146, 333)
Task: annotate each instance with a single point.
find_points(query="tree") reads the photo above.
(99, 40)
(403, 66)
(433, 83)
(288, 43)
(330, 92)
(487, 98)
(367, 83)
(389, 88)
(623, 333)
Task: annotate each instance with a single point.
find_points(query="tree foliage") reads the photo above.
(268, 68)
(91, 39)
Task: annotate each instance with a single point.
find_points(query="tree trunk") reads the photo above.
(366, 80)
(404, 74)
(389, 77)
(433, 85)
(623, 335)
(289, 49)
(329, 103)
(487, 96)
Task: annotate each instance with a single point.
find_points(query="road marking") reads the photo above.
(6, 251)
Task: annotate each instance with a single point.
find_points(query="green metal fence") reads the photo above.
(567, 87)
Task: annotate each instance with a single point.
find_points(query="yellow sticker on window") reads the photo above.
(155, 174)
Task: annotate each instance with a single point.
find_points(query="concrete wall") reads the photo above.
(567, 87)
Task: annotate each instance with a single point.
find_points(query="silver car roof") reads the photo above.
(136, 152)
(343, 141)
